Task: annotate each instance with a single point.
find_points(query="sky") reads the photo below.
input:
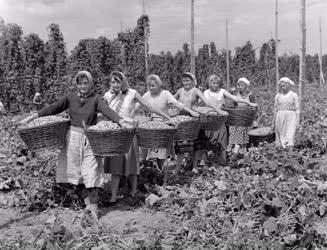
(170, 21)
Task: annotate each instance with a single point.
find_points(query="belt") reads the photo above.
(77, 129)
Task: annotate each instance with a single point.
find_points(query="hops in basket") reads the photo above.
(182, 118)
(45, 120)
(205, 110)
(105, 126)
(156, 124)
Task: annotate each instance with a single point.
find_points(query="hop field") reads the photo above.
(270, 199)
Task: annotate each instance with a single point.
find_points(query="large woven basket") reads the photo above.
(240, 117)
(211, 120)
(188, 130)
(110, 142)
(48, 136)
(255, 139)
(155, 138)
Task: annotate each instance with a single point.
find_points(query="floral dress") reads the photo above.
(239, 135)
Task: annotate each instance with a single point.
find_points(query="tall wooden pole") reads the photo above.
(122, 50)
(321, 75)
(145, 43)
(303, 53)
(227, 55)
(192, 39)
(276, 45)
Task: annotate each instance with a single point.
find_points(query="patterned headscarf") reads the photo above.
(79, 76)
(191, 76)
(287, 80)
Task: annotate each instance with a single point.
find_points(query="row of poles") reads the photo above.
(302, 48)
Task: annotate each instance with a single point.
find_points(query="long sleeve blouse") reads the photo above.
(81, 109)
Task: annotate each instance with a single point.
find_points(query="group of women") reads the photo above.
(77, 163)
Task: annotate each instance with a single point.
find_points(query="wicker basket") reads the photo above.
(212, 121)
(188, 130)
(255, 139)
(47, 136)
(240, 117)
(155, 138)
(110, 142)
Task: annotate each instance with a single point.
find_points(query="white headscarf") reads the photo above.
(243, 79)
(190, 75)
(287, 80)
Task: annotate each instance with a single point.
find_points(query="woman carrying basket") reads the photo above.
(286, 114)
(122, 99)
(216, 95)
(190, 96)
(160, 99)
(239, 135)
(77, 163)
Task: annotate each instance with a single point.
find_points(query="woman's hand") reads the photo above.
(126, 123)
(222, 112)
(194, 114)
(171, 122)
(254, 105)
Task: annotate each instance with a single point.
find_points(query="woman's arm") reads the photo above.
(205, 100)
(108, 112)
(238, 99)
(179, 105)
(177, 95)
(145, 104)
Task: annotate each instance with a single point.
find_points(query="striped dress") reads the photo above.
(286, 108)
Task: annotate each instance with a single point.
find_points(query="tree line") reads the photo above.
(28, 64)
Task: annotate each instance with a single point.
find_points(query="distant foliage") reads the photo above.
(28, 64)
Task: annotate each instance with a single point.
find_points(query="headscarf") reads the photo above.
(122, 78)
(243, 79)
(287, 80)
(78, 77)
(191, 76)
(155, 78)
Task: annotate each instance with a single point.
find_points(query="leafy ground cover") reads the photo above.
(270, 199)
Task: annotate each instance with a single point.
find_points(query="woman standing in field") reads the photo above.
(122, 99)
(160, 99)
(77, 163)
(190, 96)
(286, 114)
(216, 95)
(239, 135)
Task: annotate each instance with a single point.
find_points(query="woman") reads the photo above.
(216, 95)
(161, 99)
(190, 96)
(239, 135)
(286, 114)
(122, 99)
(77, 163)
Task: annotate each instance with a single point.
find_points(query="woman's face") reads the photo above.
(187, 83)
(214, 85)
(115, 85)
(241, 86)
(83, 86)
(153, 87)
(284, 86)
